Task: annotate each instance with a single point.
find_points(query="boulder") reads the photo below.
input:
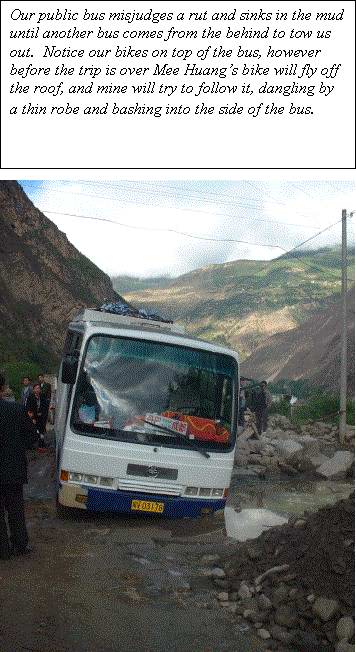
(287, 449)
(311, 445)
(325, 608)
(337, 466)
(242, 460)
(318, 460)
(345, 628)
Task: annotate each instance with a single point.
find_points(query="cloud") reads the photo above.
(157, 214)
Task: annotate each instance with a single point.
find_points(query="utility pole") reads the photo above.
(343, 370)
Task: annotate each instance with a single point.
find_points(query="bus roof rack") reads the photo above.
(99, 316)
(119, 308)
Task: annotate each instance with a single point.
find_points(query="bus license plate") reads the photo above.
(147, 506)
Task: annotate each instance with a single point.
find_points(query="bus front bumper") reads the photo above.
(106, 500)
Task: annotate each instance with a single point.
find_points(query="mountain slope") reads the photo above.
(311, 351)
(44, 280)
(243, 303)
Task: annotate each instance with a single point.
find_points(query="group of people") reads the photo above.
(258, 400)
(22, 427)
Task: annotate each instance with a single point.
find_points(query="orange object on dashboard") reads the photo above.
(204, 429)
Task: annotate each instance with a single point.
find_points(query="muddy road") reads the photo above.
(112, 583)
(108, 583)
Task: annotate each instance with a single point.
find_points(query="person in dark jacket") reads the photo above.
(36, 408)
(261, 401)
(17, 434)
(46, 393)
(26, 390)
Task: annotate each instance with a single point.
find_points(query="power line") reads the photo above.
(210, 239)
(154, 229)
(191, 210)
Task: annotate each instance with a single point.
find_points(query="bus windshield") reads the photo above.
(155, 393)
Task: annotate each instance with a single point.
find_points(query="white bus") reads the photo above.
(146, 418)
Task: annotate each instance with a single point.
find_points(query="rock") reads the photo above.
(311, 598)
(339, 566)
(255, 445)
(264, 602)
(280, 421)
(311, 445)
(249, 613)
(345, 628)
(337, 466)
(288, 448)
(285, 615)
(244, 591)
(223, 596)
(307, 642)
(254, 553)
(245, 436)
(242, 460)
(293, 593)
(318, 460)
(325, 608)
(344, 646)
(280, 594)
(300, 522)
(281, 634)
(271, 646)
(222, 584)
(250, 604)
(264, 634)
(217, 572)
(210, 559)
(287, 468)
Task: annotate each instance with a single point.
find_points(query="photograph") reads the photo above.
(177, 415)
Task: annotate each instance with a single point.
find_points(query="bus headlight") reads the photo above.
(204, 492)
(91, 479)
(191, 491)
(106, 482)
(217, 492)
(76, 477)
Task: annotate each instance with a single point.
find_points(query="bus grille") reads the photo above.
(150, 487)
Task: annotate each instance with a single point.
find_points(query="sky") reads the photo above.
(167, 228)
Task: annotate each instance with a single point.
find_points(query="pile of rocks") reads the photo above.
(289, 449)
(295, 583)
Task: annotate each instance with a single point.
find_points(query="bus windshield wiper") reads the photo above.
(178, 436)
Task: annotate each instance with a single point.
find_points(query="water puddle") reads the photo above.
(257, 506)
(250, 523)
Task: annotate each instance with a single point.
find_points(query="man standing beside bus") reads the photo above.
(17, 433)
(261, 401)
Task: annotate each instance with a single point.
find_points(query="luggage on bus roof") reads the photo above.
(126, 310)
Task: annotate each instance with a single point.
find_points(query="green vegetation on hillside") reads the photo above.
(320, 407)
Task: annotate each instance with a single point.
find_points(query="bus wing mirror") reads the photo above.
(69, 368)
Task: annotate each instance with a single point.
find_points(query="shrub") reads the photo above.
(323, 407)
